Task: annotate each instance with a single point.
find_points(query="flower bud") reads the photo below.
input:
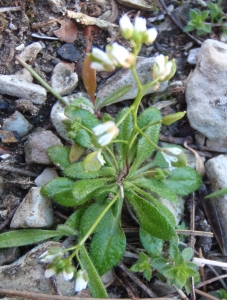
(68, 272)
(51, 254)
(126, 27)
(105, 133)
(150, 36)
(101, 61)
(50, 272)
(121, 56)
(81, 280)
(175, 157)
(163, 69)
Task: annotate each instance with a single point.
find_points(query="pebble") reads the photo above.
(17, 122)
(124, 77)
(202, 92)
(30, 52)
(4, 105)
(9, 137)
(35, 211)
(57, 6)
(9, 255)
(11, 85)
(25, 105)
(63, 80)
(37, 144)
(27, 274)
(47, 175)
(192, 56)
(69, 52)
(138, 4)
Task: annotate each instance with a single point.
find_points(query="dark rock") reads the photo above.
(69, 52)
(4, 105)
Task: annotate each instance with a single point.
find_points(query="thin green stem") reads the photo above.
(41, 81)
(148, 139)
(118, 141)
(144, 168)
(151, 124)
(142, 174)
(79, 261)
(125, 116)
(112, 156)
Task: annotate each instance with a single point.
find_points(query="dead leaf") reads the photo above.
(199, 164)
(75, 153)
(67, 32)
(90, 31)
(89, 78)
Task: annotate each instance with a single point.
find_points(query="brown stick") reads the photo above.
(194, 232)
(207, 296)
(199, 285)
(18, 171)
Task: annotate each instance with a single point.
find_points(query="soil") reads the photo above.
(16, 28)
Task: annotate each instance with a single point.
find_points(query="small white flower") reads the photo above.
(101, 56)
(151, 35)
(126, 27)
(140, 24)
(68, 274)
(97, 66)
(51, 254)
(170, 155)
(162, 66)
(101, 60)
(102, 128)
(50, 272)
(81, 280)
(105, 132)
(121, 55)
(100, 158)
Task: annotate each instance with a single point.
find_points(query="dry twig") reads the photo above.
(6, 9)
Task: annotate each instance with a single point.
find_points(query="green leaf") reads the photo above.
(204, 15)
(173, 251)
(219, 193)
(207, 28)
(83, 189)
(65, 198)
(108, 246)
(194, 13)
(83, 138)
(169, 119)
(189, 28)
(55, 186)
(159, 263)
(74, 220)
(25, 237)
(87, 119)
(144, 147)
(76, 170)
(64, 229)
(125, 131)
(152, 245)
(95, 284)
(183, 181)
(113, 98)
(187, 253)
(59, 155)
(156, 186)
(151, 218)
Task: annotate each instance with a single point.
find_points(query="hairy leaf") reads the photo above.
(25, 237)
(65, 198)
(83, 138)
(95, 284)
(183, 181)
(88, 120)
(59, 155)
(55, 186)
(74, 220)
(152, 245)
(151, 218)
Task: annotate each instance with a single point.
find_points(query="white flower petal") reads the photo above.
(100, 158)
(67, 276)
(151, 35)
(81, 283)
(119, 53)
(49, 272)
(140, 24)
(125, 23)
(106, 138)
(97, 66)
(174, 150)
(101, 55)
(160, 61)
(101, 128)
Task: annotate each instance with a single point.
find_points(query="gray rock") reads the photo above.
(206, 91)
(192, 56)
(47, 175)
(35, 211)
(216, 170)
(11, 85)
(63, 80)
(57, 6)
(138, 4)
(27, 274)
(124, 77)
(24, 74)
(17, 122)
(9, 255)
(30, 52)
(37, 144)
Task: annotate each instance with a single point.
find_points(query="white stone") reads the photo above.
(17, 122)
(25, 75)
(138, 4)
(124, 77)
(20, 47)
(192, 56)
(47, 175)
(206, 94)
(30, 52)
(63, 80)
(11, 85)
(35, 211)
(27, 274)
(59, 108)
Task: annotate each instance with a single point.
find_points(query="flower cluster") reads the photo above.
(139, 32)
(57, 265)
(115, 56)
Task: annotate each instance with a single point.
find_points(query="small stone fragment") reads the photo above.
(47, 175)
(69, 52)
(37, 144)
(138, 4)
(25, 105)
(63, 80)
(124, 77)
(35, 211)
(192, 56)
(30, 52)
(27, 274)
(9, 137)
(11, 85)
(8, 255)
(17, 122)
(57, 6)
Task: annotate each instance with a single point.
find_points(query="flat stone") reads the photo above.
(216, 170)
(138, 4)
(30, 52)
(27, 274)
(37, 144)
(192, 56)
(206, 91)
(35, 211)
(17, 122)
(63, 80)
(13, 86)
(124, 77)
(47, 175)
(69, 52)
